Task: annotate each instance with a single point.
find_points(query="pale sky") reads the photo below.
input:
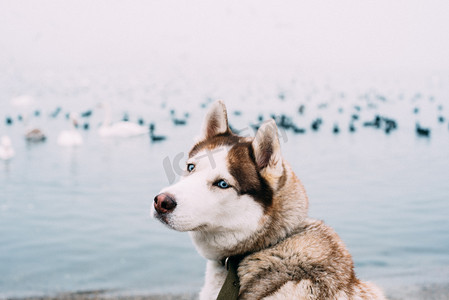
(349, 33)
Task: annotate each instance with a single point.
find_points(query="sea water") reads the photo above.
(77, 219)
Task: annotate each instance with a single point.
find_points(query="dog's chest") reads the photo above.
(215, 277)
(252, 273)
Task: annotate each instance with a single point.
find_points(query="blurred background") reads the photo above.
(98, 98)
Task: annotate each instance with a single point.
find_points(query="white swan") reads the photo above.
(118, 129)
(70, 138)
(6, 149)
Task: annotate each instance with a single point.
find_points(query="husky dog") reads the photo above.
(239, 197)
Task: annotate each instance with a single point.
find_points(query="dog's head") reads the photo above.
(228, 192)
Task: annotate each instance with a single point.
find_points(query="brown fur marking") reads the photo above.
(224, 139)
(242, 166)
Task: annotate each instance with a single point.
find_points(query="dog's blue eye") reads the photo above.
(222, 184)
(190, 167)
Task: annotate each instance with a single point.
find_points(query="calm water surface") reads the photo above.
(79, 218)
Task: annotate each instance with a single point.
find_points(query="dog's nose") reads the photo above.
(164, 203)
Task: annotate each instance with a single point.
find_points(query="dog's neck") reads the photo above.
(279, 221)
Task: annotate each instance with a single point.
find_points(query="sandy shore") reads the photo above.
(102, 295)
(425, 292)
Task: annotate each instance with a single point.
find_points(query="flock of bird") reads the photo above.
(71, 137)
(386, 124)
(125, 128)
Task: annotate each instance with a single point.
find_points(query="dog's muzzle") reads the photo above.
(164, 204)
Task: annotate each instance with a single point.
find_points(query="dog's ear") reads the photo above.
(267, 150)
(215, 122)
